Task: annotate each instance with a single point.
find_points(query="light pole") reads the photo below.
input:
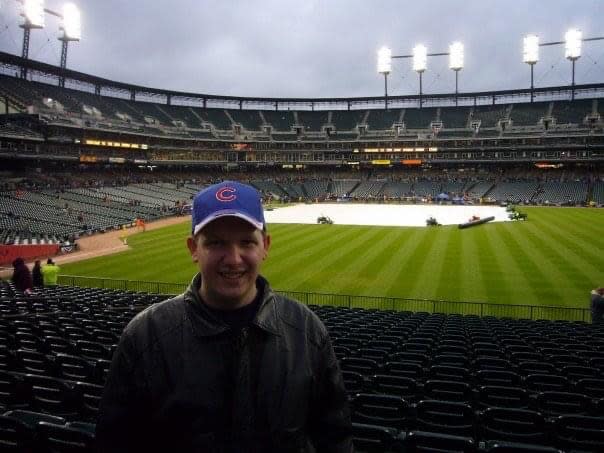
(572, 51)
(456, 63)
(530, 56)
(420, 59)
(33, 14)
(384, 66)
(72, 31)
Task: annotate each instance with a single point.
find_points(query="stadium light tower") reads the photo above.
(384, 66)
(456, 62)
(420, 59)
(72, 31)
(530, 56)
(33, 15)
(572, 51)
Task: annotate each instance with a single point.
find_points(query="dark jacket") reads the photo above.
(181, 381)
(21, 275)
(36, 275)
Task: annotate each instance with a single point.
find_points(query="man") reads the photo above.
(228, 366)
(597, 306)
(50, 273)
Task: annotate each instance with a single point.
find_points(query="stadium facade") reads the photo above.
(94, 120)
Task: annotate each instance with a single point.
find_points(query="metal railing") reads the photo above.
(351, 301)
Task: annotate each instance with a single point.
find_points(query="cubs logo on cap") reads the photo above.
(229, 198)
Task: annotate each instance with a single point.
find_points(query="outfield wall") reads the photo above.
(366, 302)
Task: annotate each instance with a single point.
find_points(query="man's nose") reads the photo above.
(232, 254)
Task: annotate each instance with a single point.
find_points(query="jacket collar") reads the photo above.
(204, 324)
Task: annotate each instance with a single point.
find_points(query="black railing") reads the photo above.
(351, 301)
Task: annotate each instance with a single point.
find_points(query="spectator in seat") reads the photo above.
(22, 276)
(597, 306)
(50, 273)
(36, 275)
(229, 365)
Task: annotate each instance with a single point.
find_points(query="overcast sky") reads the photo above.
(312, 48)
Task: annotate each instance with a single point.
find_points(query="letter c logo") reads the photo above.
(226, 194)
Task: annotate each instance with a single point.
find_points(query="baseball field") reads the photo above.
(554, 258)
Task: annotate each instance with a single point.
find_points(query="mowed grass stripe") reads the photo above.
(327, 268)
(337, 278)
(585, 220)
(511, 281)
(371, 268)
(571, 266)
(428, 264)
(558, 236)
(296, 261)
(449, 285)
(566, 223)
(409, 250)
(540, 285)
(489, 270)
(544, 257)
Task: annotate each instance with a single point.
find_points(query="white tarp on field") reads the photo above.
(383, 214)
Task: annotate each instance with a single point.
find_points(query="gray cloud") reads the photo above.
(314, 48)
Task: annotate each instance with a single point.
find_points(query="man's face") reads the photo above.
(228, 252)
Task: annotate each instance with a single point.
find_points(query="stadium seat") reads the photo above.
(497, 377)
(421, 441)
(406, 369)
(517, 447)
(355, 382)
(61, 438)
(445, 417)
(375, 439)
(16, 436)
(594, 388)
(516, 425)
(561, 403)
(501, 396)
(360, 365)
(74, 367)
(448, 391)
(401, 386)
(449, 373)
(579, 433)
(382, 410)
(51, 395)
(546, 382)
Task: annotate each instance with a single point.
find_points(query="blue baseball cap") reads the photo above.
(229, 198)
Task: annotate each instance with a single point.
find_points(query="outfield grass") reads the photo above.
(555, 258)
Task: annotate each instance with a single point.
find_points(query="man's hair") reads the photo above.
(49, 261)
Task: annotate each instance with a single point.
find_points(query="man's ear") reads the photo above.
(192, 246)
(267, 245)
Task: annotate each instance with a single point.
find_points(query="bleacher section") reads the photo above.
(571, 193)
(54, 216)
(344, 120)
(83, 109)
(419, 118)
(312, 121)
(249, 119)
(416, 381)
(489, 115)
(514, 192)
(383, 119)
(281, 121)
(455, 117)
(566, 112)
(528, 114)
